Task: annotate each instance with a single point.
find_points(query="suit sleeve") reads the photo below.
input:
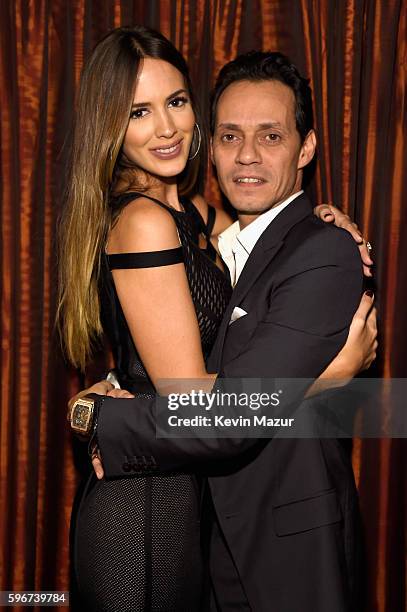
(305, 326)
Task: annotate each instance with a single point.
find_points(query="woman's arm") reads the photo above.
(156, 301)
(326, 212)
(357, 354)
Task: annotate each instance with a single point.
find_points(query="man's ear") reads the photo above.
(211, 149)
(307, 150)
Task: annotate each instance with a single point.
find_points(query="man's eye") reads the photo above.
(273, 137)
(228, 138)
(178, 102)
(138, 113)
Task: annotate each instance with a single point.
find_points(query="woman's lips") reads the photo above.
(169, 151)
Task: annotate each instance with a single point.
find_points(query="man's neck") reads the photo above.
(246, 219)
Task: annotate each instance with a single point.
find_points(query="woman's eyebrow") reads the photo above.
(175, 93)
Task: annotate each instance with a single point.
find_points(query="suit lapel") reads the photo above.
(265, 249)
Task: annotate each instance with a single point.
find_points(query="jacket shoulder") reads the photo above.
(324, 241)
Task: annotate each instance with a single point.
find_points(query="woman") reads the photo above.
(146, 257)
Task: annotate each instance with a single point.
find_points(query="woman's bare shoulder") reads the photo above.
(143, 225)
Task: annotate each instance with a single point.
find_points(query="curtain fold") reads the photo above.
(354, 52)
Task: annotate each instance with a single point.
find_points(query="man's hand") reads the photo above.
(97, 462)
(96, 458)
(103, 387)
(330, 214)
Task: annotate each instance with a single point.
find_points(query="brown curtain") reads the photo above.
(355, 54)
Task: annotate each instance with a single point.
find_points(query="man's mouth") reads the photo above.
(249, 180)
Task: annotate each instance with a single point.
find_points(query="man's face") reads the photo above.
(256, 147)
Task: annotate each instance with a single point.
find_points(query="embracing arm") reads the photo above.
(331, 214)
(327, 294)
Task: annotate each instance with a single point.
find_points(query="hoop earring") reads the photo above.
(199, 142)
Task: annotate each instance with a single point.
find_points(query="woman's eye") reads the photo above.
(178, 102)
(138, 113)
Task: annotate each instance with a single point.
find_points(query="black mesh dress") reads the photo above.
(136, 540)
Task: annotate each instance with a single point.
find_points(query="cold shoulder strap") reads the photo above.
(149, 259)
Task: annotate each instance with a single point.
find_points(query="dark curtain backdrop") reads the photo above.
(354, 51)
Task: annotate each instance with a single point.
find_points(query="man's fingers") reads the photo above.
(101, 388)
(98, 467)
(120, 393)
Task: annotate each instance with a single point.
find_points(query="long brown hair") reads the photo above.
(104, 104)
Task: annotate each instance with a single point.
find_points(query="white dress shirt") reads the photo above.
(235, 245)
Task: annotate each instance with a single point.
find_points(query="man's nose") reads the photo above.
(248, 152)
(165, 126)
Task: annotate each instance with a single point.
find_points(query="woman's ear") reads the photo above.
(307, 151)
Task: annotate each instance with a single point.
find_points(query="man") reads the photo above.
(284, 532)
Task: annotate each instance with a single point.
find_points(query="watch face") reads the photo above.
(82, 415)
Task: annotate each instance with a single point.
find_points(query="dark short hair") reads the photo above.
(264, 66)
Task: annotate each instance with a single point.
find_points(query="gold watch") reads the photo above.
(82, 415)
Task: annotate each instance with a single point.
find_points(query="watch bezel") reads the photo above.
(82, 423)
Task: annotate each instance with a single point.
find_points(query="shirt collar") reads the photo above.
(248, 236)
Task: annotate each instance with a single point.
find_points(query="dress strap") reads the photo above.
(211, 220)
(150, 259)
(202, 227)
(133, 195)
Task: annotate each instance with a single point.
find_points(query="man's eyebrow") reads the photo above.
(175, 93)
(270, 125)
(229, 126)
(260, 126)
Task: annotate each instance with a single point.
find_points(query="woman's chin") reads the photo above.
(169, 169)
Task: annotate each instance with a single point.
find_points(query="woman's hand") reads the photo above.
(360, 349)
(330, 214)
(361, 345)
(357, 354)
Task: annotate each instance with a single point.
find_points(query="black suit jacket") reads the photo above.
(287, 508)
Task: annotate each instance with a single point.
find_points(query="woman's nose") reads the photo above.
(165, 125)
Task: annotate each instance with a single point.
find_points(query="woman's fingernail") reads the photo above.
(369, 292)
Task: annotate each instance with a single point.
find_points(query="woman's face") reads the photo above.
(161, 125)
